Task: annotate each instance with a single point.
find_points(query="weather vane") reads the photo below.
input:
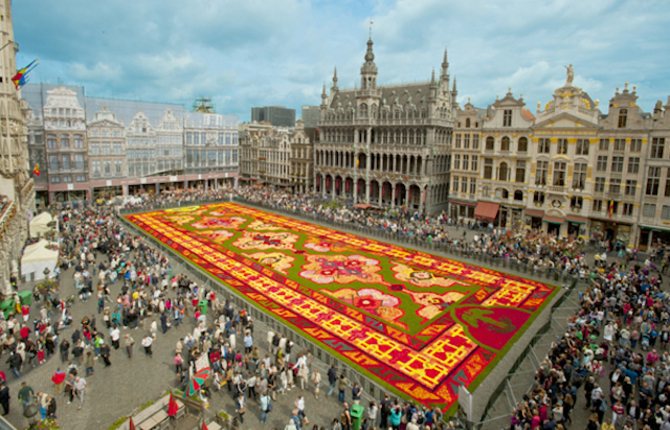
(371, 29)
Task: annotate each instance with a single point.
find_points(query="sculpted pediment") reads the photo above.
(564, 120)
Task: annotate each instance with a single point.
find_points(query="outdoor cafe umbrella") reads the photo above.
(196, 382)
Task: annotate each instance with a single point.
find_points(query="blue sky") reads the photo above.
(280, 52)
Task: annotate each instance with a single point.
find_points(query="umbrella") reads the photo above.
(196, 382)
(131, 424)
(172, 407)
(204, 427)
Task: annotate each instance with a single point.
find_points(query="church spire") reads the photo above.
(335, 80)
(454, 88)
(445, 63)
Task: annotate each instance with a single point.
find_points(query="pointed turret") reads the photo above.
(432, 78)
(335, 79)
(454, 90)
(369, 69)
(444, 73)
(324, 96)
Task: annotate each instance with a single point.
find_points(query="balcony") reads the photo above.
(557, 188)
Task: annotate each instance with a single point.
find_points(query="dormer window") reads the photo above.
(623, 115)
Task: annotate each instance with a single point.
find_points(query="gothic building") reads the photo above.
(17, 190)
(386, 145)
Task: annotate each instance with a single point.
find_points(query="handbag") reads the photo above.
(269, 407)
(242, 410)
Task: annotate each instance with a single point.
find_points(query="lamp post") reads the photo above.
(31, 415)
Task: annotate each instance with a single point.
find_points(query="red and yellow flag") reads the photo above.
(36, 170)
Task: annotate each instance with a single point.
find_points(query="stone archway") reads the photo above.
(400, 194)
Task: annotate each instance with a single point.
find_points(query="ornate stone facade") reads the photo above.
(17, 194)
(570, 170)
(386, 146)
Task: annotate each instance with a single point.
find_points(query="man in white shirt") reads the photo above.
(146, 343)
(80, 387)
(115, 334)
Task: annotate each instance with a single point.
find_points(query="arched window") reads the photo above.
(504, 144)
(490, 143)
(363, 111)
(518, 195)
(523, 145)
(467, 123)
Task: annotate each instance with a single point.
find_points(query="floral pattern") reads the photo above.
(342, 269)
(433, 304)
(372, 301)
(260, 225)
(420, 278)
(322, 246)
(210, 222)
(261, 241)
(218, 236)
(276, 260)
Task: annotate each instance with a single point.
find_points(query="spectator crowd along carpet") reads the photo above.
(419, 324)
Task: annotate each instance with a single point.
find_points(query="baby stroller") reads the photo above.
(645, 342)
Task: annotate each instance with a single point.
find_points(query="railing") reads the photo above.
(557, 188)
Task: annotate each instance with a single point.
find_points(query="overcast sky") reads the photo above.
(245, 53)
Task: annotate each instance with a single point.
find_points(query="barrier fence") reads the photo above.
(371, 388)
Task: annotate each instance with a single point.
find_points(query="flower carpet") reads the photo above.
(419, 324)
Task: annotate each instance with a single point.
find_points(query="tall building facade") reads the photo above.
(311, 116)
(278, 116)
(107, 148)
(387, 146)
(93, 148)
(569, 169)
(302, 160)
(17, 190)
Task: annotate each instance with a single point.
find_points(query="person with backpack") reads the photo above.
(332, 379)
(266, 406)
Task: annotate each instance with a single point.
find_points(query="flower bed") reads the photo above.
(419, 324)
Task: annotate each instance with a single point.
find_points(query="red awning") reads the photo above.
(362, 206)
(486, 210)
(462, 203)
(577, 219)
(535, 212)
(553, 219)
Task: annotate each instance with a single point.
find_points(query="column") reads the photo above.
(393, 185)
(323, 186)
(367, 191)
(125, 190)
(332, 188)
(421, 198)
(355, 190)
(406, 195)
(158, 188)
(381, 189)
(185, 184)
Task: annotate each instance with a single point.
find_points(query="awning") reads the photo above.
(463, 203)
(535, 213)
(553, 219)
(577, 219)
(486, 210)
(655, 228)
(362, 206)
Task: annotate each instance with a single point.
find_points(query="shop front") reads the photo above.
(618, 233)
(553, 223)
(576, 226)
(487, 212)
(461, 209)
(534, 219)
(651, 236)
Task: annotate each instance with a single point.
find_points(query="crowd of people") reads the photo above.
(618, 333)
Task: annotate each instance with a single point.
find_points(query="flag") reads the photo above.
(172, 407)
(611, 208)
(20, 78)
(358, 162)
(36, 170)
